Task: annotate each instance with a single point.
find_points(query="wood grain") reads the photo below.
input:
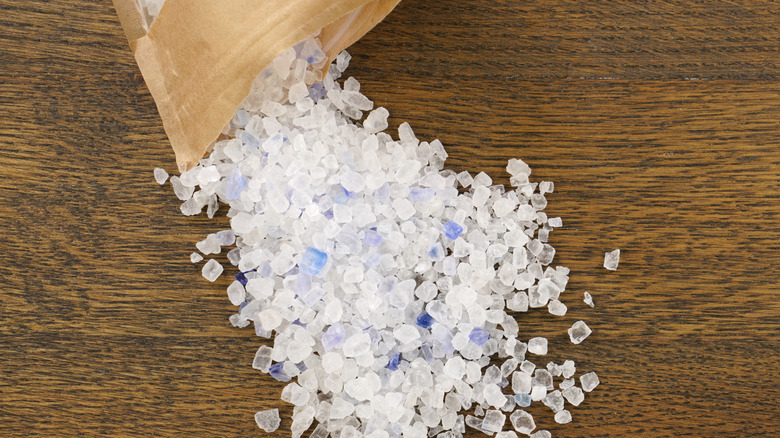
(657, 120)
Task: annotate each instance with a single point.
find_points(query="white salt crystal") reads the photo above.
(541, 434)
(352, 181)
(268, 420)
(537, 346)
(376, 120)
(297, 92)
(568, 369)
(403, 208)
(611, 259)
(493, 396)
(588, 299)
(195, 257)
(455, 367)
(557, 308)
(160, 175)
(517, 167)
(579, 331)
(406, 333)
(494, 421)
(270, 319)
(538, 393)
(341, 408)
(236, 293)
(506, 434)
(295, 394)
(589, 381)
(521, 383)
(212, 270)
(522, 421)
(574, 395)
(563, 417)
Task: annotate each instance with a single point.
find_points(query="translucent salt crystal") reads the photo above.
(270, 319)
(517, 167)
(208, 174)
(574, 395)
(538, 393)
(611, 259)
(357, 345)
(579, 331)
(376, 120)
(465, 179)
(403, 208)
(342, 60)
(554, 369)
(541, 434)
(506, 434)
(195, 257)
(521, 383)
(262, 360)
(557, 308)
(588, 299)
(554, 401)
(493, 396)
(212, 270)
(372, 239)
(523, 400)
(537, 346)
(236, 293)
(297, 92)
(236, 184)
(209, 245)
(333, 336)
(527, 367)
(522, 421)
(542, 377)
(568, 369)
(341, 408)
(589, 381)
(566, 384)
(268, 420)
(479, 336)
(455, 367)
(503, 207)
(352, 181)
(406, 333)
(563, 417)
(225, 237)
(295, 394)
(493, 421)
(282, 263)
(160, 175)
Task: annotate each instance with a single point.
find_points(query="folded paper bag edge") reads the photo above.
(199, 63)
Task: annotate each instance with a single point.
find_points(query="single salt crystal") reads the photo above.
(568, 369)
(506, 434)
(268, 420)
(611, 259)
(297, 92)
(522, 421)
(340, 408)
(494, 421)
(538, 393)
(406, 333)
(523, 400)
(493, 396)
(357, 345)
(195, 257)
(209, 245)
(527, 367)
(262, 360)
(352, 181)
(479, 336)
(465, 179)
(563, 417)
(452, 230)
(160, 175)
(376, 120)
(579, 331)
(554, 369)
(537, 346)
(574, 395)
(372, 239)
(517, 167)
(208, 174)
(588, 299)
(557, 308)
(541, 434)
(554, 401)
(589, 381)
(455, 367)
(403, 208)
(225, 237)
(294, 394)
(333, 337)
(566, 384)
(236, 293)
(212, 270)
(236, 184)
(313, 261)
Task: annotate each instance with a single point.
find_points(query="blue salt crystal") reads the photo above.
(503, 383)
(334, 336)
(382, 194)
(298, 322)
(372, 239)
(303, 283)
(249, 139)
(328, 214)
(317, 91)
(373, 260)
(479, 336)
(392, 365)
(349, 194)
(277, 372)
(313, 261)
(427, 352)
(452, 230)
(421, 194)
(236, 183)
(523, 400)
(341, 198)
(241, 307)
(301, 366)
(241, 278)
(425, 320)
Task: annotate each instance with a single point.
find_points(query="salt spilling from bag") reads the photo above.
(383, 279)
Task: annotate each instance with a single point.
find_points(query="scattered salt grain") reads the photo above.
(588, 299)
(212, 270)
(160, 175)
(579, 331)
(611, 259)
(268, 420)
(589, 381)
(195, 257)
(563, 417)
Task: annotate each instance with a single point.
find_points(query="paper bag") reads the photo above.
(199, 57)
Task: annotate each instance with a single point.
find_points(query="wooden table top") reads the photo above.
(658, 121)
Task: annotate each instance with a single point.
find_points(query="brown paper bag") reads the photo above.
(199, 57)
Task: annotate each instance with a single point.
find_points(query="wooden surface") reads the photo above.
(659, 122)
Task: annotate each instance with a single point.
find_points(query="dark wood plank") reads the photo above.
(657, 120)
